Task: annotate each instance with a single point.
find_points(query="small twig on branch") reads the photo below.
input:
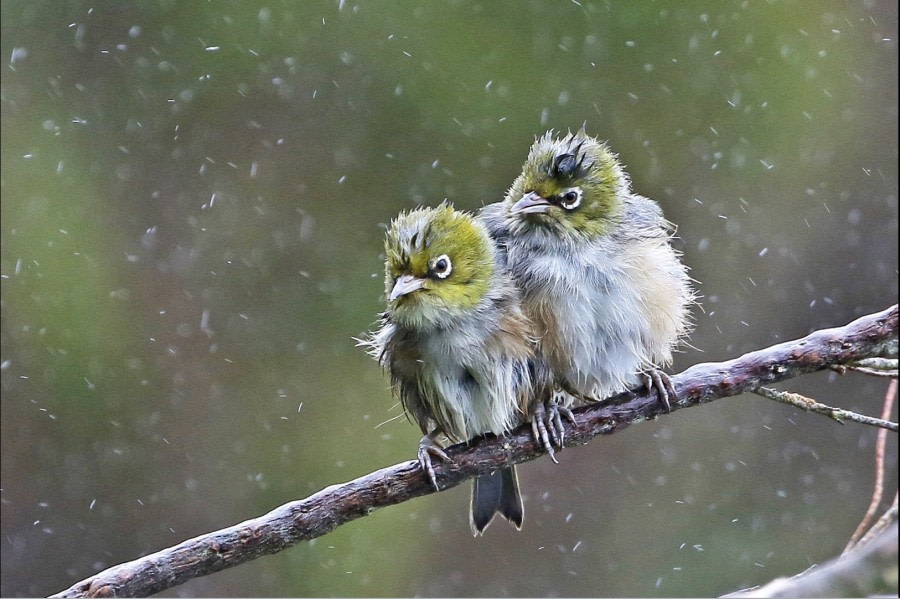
(870, 336)
(887, 374)
(883, 367)
(877, 364)
(878, 490)
(811, 405)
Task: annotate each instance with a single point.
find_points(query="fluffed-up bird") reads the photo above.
(456, 343)
(607, 293)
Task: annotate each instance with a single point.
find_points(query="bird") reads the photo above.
(456, 344)
(607, 292)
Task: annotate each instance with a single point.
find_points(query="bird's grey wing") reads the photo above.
(645, 218)
(404, 363)
(493, 217)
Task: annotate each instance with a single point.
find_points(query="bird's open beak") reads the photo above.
(531, 203)
(406, 284)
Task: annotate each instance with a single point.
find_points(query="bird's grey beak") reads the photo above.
(406, 284)
(531, 203)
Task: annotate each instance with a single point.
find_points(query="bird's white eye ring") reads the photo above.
(570, 199)
(441, 267)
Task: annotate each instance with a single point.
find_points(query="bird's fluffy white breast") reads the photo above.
(475, 389)
(463, 380)
(592, 325)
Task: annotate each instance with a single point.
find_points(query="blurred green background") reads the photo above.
(193, 202)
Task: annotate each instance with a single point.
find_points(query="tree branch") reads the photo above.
(866, 570)
(878, 490)
(883, 367)
(810, 405)
(871, 336)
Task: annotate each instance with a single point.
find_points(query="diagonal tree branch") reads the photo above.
(871, 336)
(865, 571)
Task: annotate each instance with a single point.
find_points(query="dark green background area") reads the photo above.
(193, 202)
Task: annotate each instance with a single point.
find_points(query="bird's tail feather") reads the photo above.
(496, 493)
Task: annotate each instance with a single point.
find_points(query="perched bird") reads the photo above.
(456, 343)
(608, 294)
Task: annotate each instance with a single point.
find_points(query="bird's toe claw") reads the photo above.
(544, 436)
(659, 381)
(547, 425)
(428, 449)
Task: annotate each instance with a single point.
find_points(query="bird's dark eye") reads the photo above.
(441, 267)
(571, 198)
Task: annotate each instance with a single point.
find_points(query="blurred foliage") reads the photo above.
(193, 200)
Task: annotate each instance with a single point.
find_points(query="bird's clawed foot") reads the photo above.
(659, 381)
(428, 449)
(547, 426)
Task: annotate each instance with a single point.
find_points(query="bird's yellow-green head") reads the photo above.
(439, 264)
(571, 185)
